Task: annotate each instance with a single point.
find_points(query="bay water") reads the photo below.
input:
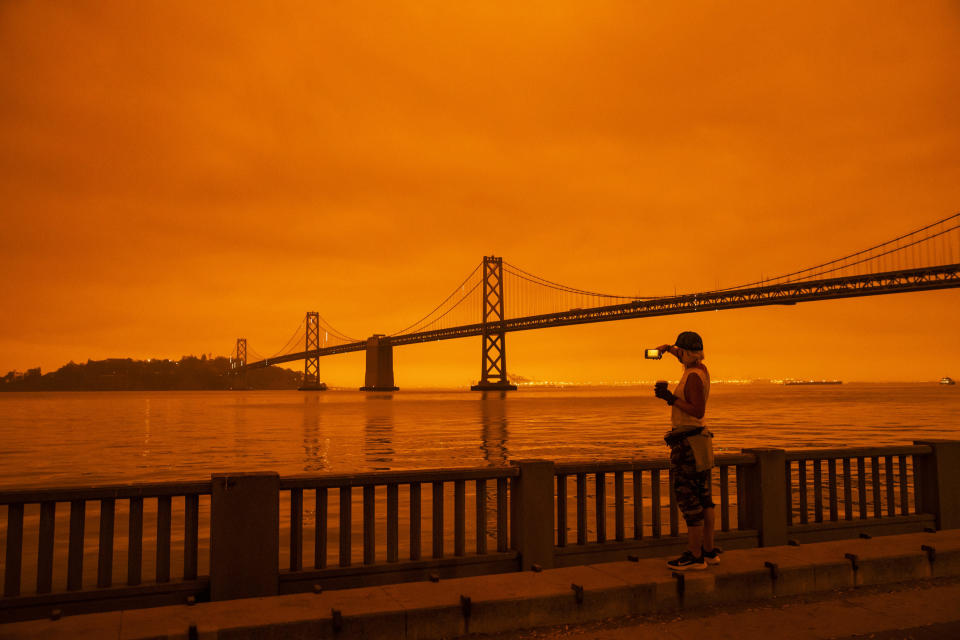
(56, 439)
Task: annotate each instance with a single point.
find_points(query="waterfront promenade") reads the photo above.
(791, 521)
(829, 589)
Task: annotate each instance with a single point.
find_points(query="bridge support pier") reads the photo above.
(311, 364)
(379, 375)
(493, 367)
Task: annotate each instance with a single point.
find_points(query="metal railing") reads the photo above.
(390, 502)
(647, 494)
(61, 551)
(834, 488)
(503, 519)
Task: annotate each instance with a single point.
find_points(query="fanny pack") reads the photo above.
(702, 446)
(701, 443)
(673, 439)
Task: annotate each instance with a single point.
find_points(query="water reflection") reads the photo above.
(239, 422)
(146, 430)
(315, 446)
(378, 431)
(493, 422)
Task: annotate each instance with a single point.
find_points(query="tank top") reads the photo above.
(679, 417)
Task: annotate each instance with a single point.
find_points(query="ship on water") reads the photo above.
(947, 380)
(808, 382)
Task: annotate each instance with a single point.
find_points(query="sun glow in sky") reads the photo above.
(175, 175)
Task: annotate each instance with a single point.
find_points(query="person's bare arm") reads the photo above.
(667, 348)
(696, 406)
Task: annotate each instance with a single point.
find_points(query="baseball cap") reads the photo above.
(690, 341)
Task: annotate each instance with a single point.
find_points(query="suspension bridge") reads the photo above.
(498, 297)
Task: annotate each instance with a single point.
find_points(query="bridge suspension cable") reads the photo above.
(339, 336)
(548, 303)
(915, 249)
(293, 342)
(526, 275)
(253, 355)
(531, 295)
(462, 306)
(329, 337)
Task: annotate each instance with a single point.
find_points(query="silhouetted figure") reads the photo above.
(691, 451)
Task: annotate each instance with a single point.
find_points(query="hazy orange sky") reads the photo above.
(175, 175)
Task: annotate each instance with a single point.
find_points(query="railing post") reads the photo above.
(764, 496)
(531, 513)
(937, 478)
(244, 535)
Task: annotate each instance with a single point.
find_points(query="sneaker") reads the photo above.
(687, 562)
(712, 556)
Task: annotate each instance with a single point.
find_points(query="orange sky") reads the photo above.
(175, 175)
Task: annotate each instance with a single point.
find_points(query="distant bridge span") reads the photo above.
(924, 279)
(865, 273)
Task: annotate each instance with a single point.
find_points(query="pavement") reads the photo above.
(916, 610)
(904, 584)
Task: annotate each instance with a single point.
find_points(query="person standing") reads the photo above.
(691, 451)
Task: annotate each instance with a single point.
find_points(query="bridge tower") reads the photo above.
(238, 365)
(241, 360)
(493, 367)
(311, 363)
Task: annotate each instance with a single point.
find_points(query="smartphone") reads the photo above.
(652, 354)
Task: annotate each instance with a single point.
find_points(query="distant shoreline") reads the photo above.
(189, 373)
(192, 373)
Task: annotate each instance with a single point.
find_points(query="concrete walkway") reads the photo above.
(583, 596)
(918, 610)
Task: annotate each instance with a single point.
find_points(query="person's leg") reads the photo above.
(688, 494)
(705, 494)
(707, 534)
(695, 537)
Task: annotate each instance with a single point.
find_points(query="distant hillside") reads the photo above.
(126, 374)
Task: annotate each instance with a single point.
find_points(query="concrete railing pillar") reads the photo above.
(531, 513)
(244, 535)
(764, 496)
(937, 477)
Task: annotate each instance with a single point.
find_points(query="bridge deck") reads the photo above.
(872, 284)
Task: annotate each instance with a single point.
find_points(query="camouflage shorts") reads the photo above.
(692, 488)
